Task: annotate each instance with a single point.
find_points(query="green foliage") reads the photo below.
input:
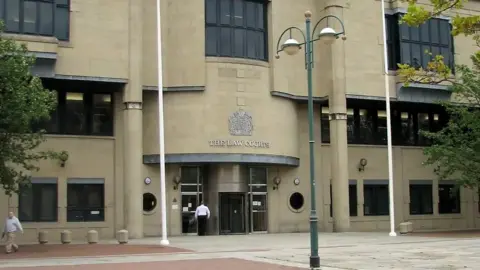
(23, 101)
(455, 153)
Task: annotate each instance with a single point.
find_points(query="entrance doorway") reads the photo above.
(232, 213)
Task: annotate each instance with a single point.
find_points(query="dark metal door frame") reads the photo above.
(224, 199)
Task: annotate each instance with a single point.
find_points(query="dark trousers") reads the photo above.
(202, 225)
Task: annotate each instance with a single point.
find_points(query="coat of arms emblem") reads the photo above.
(240, 124)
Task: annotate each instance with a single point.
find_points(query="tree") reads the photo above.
(23, 101)
(455, 152)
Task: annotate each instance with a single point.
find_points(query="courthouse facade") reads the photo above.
(236, 130)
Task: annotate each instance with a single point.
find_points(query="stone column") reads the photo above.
(338, 128)
(133, 128)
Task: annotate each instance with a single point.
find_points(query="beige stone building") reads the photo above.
(236, 129)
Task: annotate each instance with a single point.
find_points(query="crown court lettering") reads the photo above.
(239, 143)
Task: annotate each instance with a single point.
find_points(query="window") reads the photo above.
(325, 125)
(149, 202)
(36, 17)
(376, 199)
(296, 201)
(421, 197)
(85, 200)
(79, 113)
(352, 199)
(381, 130)
(359, 126)
(257, 196)
(236, 28)
(449, 198)
(38, 202)
(409, 44)
(367, 123)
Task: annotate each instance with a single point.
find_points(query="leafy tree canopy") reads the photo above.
(23, 101)
(455, 152)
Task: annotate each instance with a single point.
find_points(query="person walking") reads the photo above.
(202, 214)
(12, 225)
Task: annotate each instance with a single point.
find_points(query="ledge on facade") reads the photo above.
(90, 78)
(392, 11)
(423, 93)
(44, 63)
(31, 38)
(298, 98)
(44, 55)
(223, 158)
(324, 99)
(175, 88)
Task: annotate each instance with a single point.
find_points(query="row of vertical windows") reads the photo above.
(236, 28)
(80, 113)
(376, 198)
(367, 124)
(36, 17)
(38, 202)
(409, 45)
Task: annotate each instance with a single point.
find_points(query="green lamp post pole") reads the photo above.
(291, 47)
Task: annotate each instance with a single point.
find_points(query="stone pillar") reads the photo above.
(133, 135)
(338, 128)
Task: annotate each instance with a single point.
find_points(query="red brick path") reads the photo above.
(207, 264)
(49, 251)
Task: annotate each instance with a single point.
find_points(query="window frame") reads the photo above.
(56, 5)
(377, 137)
(83, 206)
(231, 26)
(452, 186)
(59, 117)
(376, 186)
(352, 198)
(425, 187)
(395, 41)
(36, 186)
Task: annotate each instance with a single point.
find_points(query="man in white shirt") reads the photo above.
(12, 225)
(202, 213)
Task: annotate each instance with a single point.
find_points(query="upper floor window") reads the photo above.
(236, 28)
(408, 45)
(367, 123)
(79, 113)
(36, 17)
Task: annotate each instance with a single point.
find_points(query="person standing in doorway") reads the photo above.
(12, 226)
(202, 214)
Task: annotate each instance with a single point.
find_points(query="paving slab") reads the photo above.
(339, 251)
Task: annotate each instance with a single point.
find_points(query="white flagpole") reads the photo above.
(161, 137)
(389, 126)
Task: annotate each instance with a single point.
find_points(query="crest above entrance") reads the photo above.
(240, 123)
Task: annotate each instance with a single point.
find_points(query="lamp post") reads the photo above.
(291, 47)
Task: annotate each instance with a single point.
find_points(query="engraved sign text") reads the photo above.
(239, 143)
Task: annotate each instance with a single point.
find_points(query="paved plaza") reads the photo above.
(342, 251)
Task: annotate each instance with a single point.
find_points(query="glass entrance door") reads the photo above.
(258, 215)
(232, 214)
(191, 189)
(258, 200)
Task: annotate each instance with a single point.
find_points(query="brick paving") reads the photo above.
(204, 264)
(83, 250)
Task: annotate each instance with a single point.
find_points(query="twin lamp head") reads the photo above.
(328, 35)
